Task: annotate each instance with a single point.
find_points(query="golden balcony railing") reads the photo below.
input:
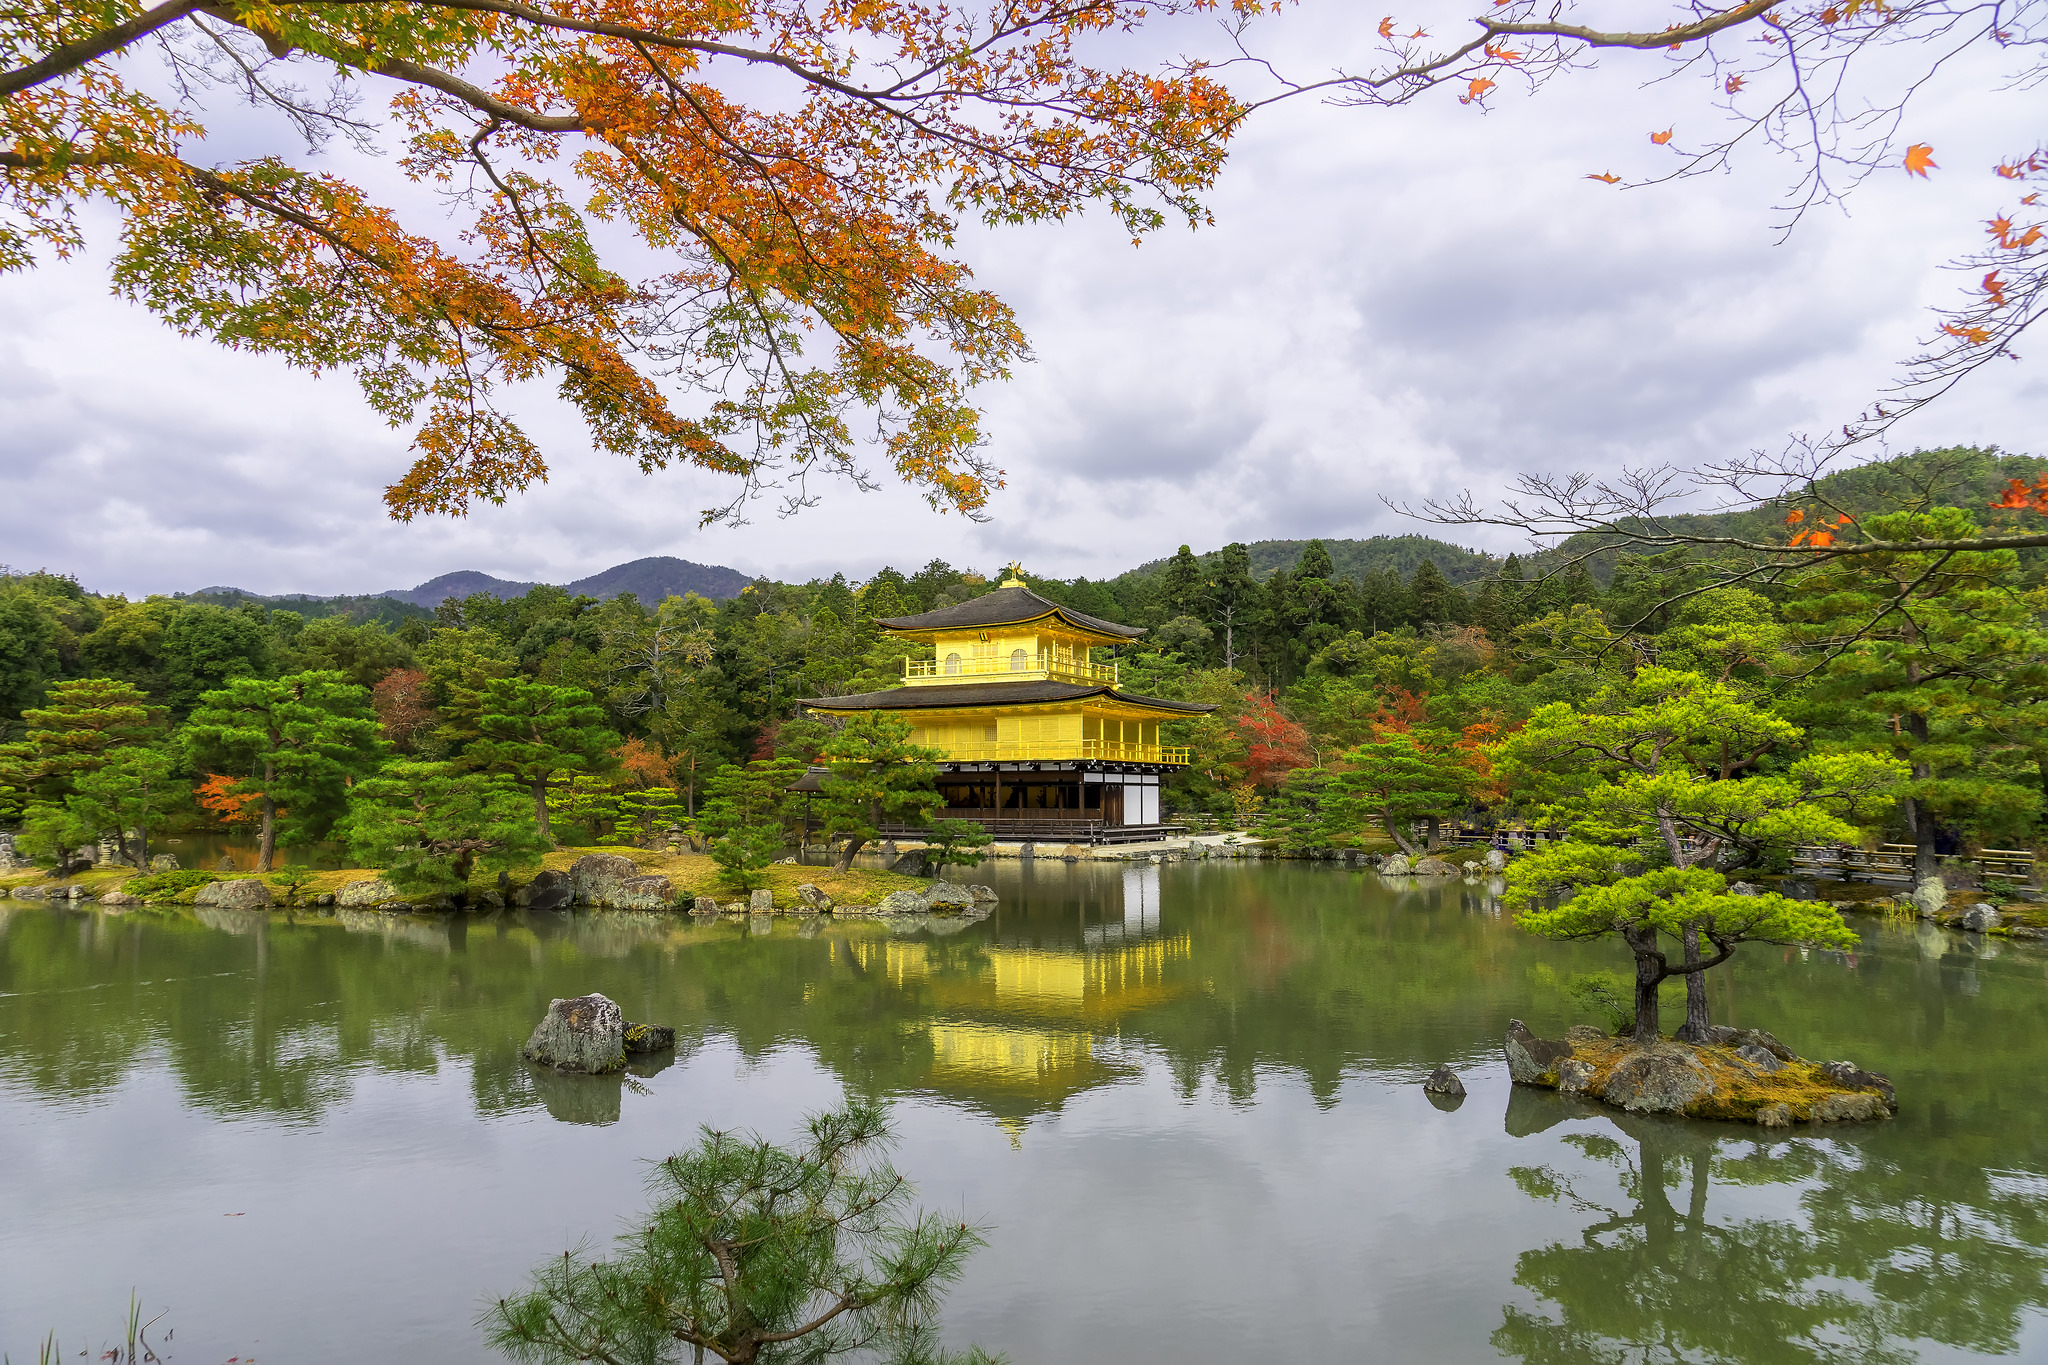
(1016, 751)
(1017, 666)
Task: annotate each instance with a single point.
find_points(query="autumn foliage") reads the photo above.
(792, 176)
(1275, 744)
(400, 701)
(219, 795)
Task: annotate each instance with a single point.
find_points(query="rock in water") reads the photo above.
(1978, 918)
(243, 893)
(549, 890)
(761, 901)
(1395, 865)
(984, 895)
(1657, 1080)
(596, 877)
(642, 893)
(1529, 1057)
(1930, 898)
(1573, 1075)
(1854, 1077)
(1496, 860)
(813, 899)
(119, 898)
(357, 895)
(585, 1035)
(1443, 1081)
(703, 905)
(643, 1038)
(947, 896)
(901, 903)
(1433, 866)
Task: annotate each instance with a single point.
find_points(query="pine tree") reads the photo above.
(135, 788)
(76, 731)
(1383, 602)
(1947, 671)
(757, 1253)
(539, 734)
(430, 827)
(297, 742)
(1233, 599)
(1435, 600)
(1636, 773)
(745, 814)
(1181, 586)
(877, 776)
(1399, 778)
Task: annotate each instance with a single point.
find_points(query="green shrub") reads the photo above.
(164, 885)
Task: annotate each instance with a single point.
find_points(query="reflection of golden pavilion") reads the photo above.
(1034, 1022)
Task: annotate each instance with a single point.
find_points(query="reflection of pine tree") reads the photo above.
(1876, 1262)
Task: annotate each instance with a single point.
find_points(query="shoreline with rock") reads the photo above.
(1741, 1076)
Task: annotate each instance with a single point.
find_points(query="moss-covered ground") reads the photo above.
(690, 874)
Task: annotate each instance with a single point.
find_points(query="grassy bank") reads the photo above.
(689, 874)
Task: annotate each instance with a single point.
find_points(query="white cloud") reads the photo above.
(1392, 303)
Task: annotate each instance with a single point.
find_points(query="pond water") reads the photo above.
(1185, 1097)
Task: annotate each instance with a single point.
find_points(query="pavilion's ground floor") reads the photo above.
(1081, 801)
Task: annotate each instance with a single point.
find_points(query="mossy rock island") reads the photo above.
(1740, 1076)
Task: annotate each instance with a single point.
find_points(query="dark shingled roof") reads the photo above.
(990, 694)
(1004, 606)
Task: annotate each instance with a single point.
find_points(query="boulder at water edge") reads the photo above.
(595, 877)
(947, 897)
(549, 890)
(901, 903)
(1443, 1081)
(114, 899)
(1930, 898)
(586, 1035)
(1657, 1080)
(1531, 1059)
(761, 901)
(1496, 860)
(1978, 918)
(1395, 865)
(1435, 867)
(363, 895)
(164, 862)
(703, 905)
(812, 899)
(642, 893)
(243, 893)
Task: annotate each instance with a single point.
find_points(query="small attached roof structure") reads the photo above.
(1006, 606)
(994, 694)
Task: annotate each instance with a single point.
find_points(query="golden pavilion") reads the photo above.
(1040, 740)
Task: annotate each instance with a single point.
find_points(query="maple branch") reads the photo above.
(1671, 37)
(70, 56)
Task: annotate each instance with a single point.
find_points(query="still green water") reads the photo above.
(1185, 1097)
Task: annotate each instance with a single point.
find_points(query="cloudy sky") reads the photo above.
(1391, 303)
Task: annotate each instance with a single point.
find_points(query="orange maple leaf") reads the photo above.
(1732, 84)
(2026, 499)
(1609, 178)
(1502, 53)
(2029, 237)
(1831, 15)
(1920, 160)
(1476, 91)
(1976, 336)
(2001, 228)
(1794, 517)
(1387, 27)
(2010, 170)
(1661, 138)
(2033, 198)
(1995, 287)
(1419, 33)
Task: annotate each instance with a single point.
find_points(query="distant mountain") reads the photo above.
(649, 579)
(1356, 558)
(661, 576)
(461, 583)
